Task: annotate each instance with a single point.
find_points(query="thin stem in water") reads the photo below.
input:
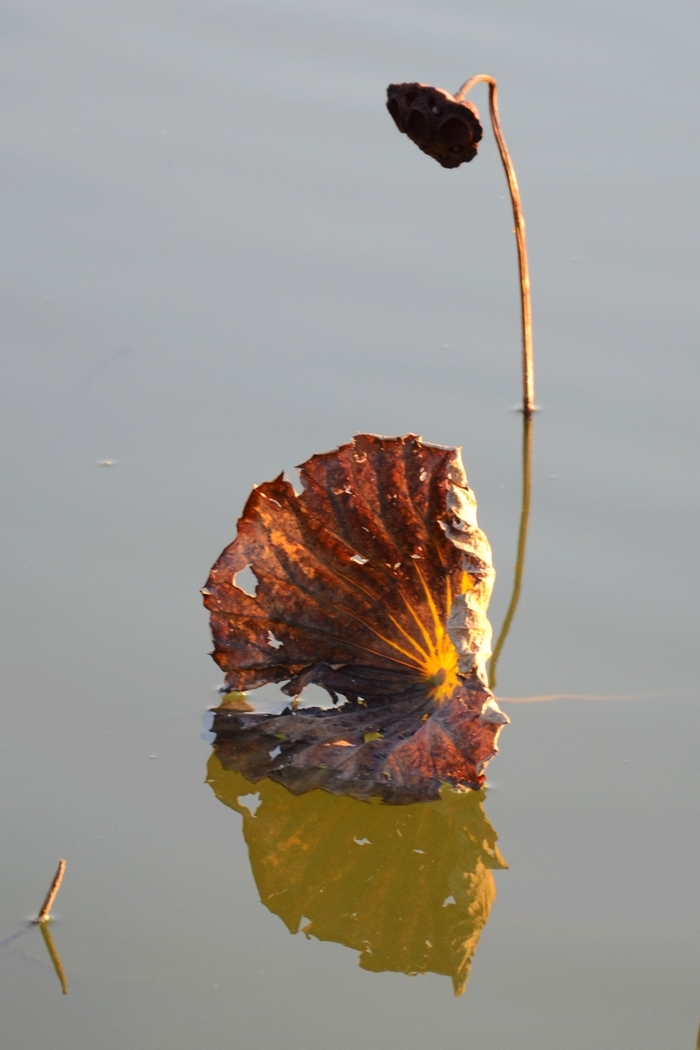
(522, 543)
(525, 304)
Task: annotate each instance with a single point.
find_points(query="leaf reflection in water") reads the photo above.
(408, 887)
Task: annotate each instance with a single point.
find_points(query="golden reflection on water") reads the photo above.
(408, 887)
(54, 956)
(519, 569)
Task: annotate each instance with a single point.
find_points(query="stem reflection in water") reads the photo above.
(54, 956)
(522, 543)
(408, 887)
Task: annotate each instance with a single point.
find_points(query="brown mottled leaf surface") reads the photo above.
(372, 583)
(409, 889)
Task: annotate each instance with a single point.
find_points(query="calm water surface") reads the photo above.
(218, 258)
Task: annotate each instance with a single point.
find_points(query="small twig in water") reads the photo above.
(45, 912)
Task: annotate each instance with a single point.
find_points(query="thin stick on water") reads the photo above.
(55, 957)
(45, 912)
(522, 544)
(525, 304)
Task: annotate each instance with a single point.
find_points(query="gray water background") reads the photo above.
(218, 257)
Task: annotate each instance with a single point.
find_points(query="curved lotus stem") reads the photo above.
(522, 543)
(526, 309)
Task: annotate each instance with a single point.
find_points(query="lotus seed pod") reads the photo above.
(447, 130)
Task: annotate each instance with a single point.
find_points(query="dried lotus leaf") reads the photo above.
(372, 583)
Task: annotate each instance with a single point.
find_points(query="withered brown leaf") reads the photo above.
(372, 583)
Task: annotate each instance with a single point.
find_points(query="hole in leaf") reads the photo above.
(251, 802)
(246, 581)
(316, 696)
